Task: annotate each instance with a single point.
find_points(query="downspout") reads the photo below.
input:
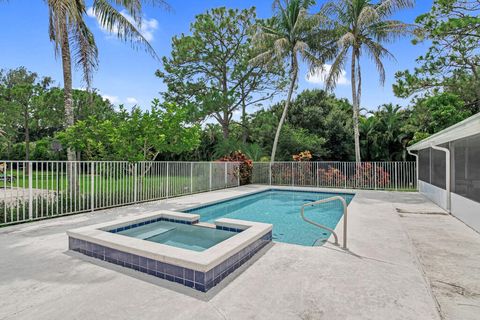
(447, 173)
(416, 160)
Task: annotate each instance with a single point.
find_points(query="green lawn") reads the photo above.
(59, 182)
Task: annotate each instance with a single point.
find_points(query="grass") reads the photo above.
(59, 182)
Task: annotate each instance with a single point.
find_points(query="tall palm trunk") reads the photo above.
(356, 105)
(293, 75)
(67, 86)
(68, 103)
(27, 133)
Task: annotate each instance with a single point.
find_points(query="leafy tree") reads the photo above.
(432, 114)
(383, 134)
(317, 112)
(134, 136)
(363, 28)
(210, 70)
(285, 37)
(292, 141)
(20, 90)
(296, 140)
(452, 62)
(51, 118)
(326, 116)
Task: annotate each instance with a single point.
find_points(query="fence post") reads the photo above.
(30, 190)
(191, 177)
(375, 174)
(210, 177)
(226, 179)
(396, 176)
(317, 174)
(293, 176)
(270, 173)
(168, 179)
(238, 175)
(345, 172)
(92, 186)
(135, 185)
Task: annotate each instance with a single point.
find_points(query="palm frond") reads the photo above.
(391, 30)
(85, 51)
(336, 69)
(389, 7)
(61, 15)
(346, 40)
(377, 52)
(367, 16)
(114, 21)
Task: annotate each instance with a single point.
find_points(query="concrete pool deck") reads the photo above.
(407, 260)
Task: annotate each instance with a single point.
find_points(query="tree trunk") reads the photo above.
(225, 129)
(356, 107)
(244, 119)
(27, 135)
(293, 80)
(67, 86)
(68, 103)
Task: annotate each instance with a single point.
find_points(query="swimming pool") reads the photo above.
(282, 209)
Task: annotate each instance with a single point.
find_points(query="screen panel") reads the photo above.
(467, 167)
(438, 168)
(424, 165)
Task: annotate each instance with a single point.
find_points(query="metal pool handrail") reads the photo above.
(334, 198)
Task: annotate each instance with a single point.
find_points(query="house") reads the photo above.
(449, 169)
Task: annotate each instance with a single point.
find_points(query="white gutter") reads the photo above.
(447, 173)
(416, 160)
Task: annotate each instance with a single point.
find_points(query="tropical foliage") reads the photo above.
(245, 168)
(445, 85)
(134, 135)
(452, 62)
(289, 35)
(363, 27)
(73, 39)
(230, 66)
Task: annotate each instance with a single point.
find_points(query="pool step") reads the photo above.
(147, 231)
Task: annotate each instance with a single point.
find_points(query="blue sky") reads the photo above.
(127, 76)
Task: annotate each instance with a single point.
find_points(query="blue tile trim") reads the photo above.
(192, 210)
(201, 281)
(229, 229)
(139, 224)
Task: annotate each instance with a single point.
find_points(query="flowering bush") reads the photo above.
(365, 175)
(303, 156)
(245, 169)
(331, 177)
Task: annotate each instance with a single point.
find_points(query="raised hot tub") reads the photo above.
(174, 246)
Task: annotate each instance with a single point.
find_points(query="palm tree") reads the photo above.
(290, 33)
(70, 35)
(363, 28)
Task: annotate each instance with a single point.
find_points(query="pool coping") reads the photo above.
(202, 261)
(276, 188)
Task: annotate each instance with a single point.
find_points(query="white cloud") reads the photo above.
(90, 13)
(147, 29)
(131, 100)
(320, 75)
(112, 99)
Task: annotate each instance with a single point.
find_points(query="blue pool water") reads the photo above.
(282, 209)
(179, 235)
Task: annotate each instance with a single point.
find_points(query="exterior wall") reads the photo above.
(436, 194)
(466, 210)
